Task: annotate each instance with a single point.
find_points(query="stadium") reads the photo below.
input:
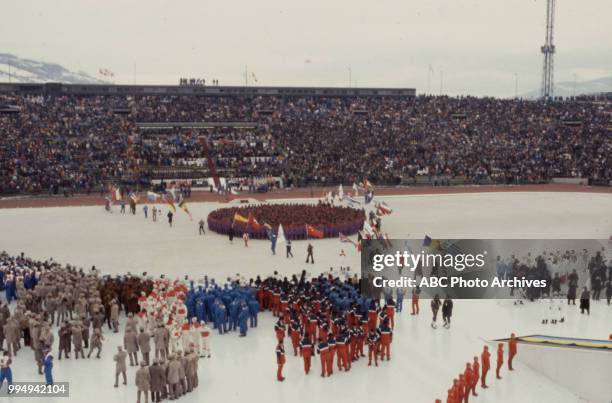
(226, 242)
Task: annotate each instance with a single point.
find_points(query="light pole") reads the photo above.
(515, 85)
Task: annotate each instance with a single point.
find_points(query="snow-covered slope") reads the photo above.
(32, 71)
(566, 88)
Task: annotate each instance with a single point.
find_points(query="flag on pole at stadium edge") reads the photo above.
(355, 190)
(280, 236)
(134, 197)
(252, 222)
(117, 194)
(340, 192)
(239, 218)
(313, 232)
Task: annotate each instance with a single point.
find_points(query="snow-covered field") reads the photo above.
(243, 369)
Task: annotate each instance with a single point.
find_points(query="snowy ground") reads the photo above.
(424, 360)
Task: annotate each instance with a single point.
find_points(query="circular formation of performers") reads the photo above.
(326, 220)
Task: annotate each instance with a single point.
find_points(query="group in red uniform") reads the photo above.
(312, 316)
(465, 384)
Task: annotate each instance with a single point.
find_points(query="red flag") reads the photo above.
(253, 222)
(313, 232)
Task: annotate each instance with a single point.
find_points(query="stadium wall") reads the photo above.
(585, 373)
(187, 90)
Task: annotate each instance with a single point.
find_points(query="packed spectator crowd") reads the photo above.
(80, 142)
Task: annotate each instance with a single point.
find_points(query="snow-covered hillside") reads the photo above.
(15, 69)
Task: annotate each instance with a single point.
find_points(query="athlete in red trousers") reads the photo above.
(261, 298)
(449, 397)
(276, 302)
(415, 301)
(511, 350)
(468, 378)
(372, 316)
(331, 342)
(461, 389)
(342, 342)
(311, 329)
(323, 350)
(365, 326)
(390, 311)
(352, 344)
(323, 330)
(500, 359)
(283, 306)
(373, 339)
(294, 334)
(476, 375)
(347, 352)
(485, 357)
(279, 329)
(359, 338)
(386, 336)
(306, 350)
(456, 393)
(280, 361)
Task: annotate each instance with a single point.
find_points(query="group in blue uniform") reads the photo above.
(228, 308)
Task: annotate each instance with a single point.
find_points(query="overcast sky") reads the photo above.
(476, 45)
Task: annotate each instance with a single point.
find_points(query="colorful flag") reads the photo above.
(239, 218)
(383, 209)
(170, 203)
(355, 190)
(134, 197)
(117, 194)
(152, 197)
(344, 238)
(368, 197)
(183, 206)
(313, 232)
(252, 222)
(367, 229)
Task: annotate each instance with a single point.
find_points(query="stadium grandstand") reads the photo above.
(78, 138)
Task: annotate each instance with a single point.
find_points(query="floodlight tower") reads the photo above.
(549, 52)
